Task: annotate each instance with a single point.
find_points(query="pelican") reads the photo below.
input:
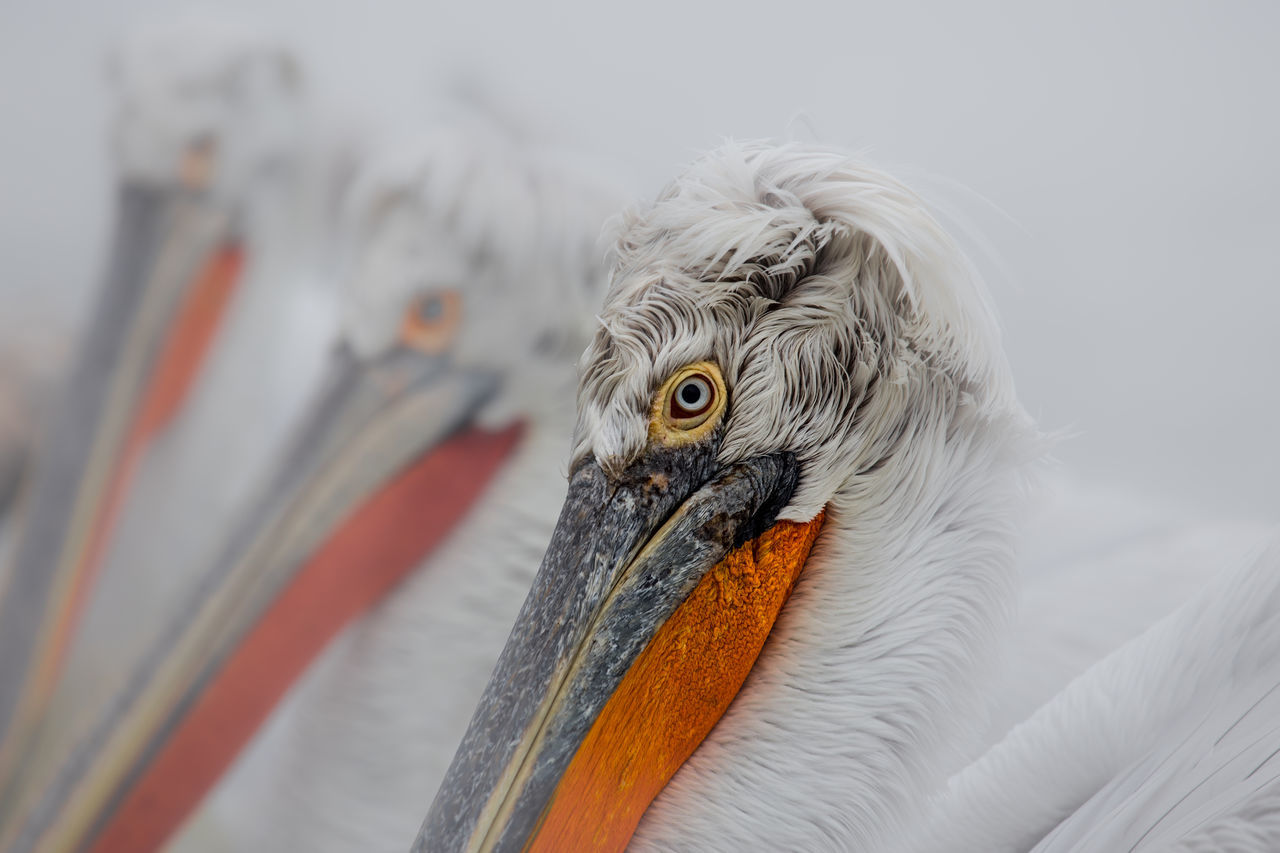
(210, 300)
(784, 565)
(196, 124)
(470, 264)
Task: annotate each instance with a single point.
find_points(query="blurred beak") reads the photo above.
(174, 265)
(383, 467)
(653, 601)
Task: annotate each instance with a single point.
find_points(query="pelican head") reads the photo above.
(466, 248)
(204, 103)
(797, 454)
(467, 264)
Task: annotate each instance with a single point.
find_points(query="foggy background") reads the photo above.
(1118, 160)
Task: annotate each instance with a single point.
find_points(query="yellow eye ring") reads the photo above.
(689, 404)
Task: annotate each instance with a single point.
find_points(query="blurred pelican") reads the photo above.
(785, 557)
(177, 256)
(225, 190)
(436, 440)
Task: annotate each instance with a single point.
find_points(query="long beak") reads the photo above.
(383, 467)
(654, 599)
(173, 268)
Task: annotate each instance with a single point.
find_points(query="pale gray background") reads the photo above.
(1120, 160)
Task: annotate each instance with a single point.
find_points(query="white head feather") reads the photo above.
(206, 83)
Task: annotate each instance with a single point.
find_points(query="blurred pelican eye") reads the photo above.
(431, 321)
(430, 308)
(196, 169)
(690, 402)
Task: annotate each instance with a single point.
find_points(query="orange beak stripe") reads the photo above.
(368, 554)
(674, 693)
(194, 329)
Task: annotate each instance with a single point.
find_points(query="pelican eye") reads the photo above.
(431, 320)
(693, 397)
(689, 403)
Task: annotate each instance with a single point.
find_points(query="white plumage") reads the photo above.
(1139, 733)
(1097, 567)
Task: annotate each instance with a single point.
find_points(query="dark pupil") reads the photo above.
(432, 308)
